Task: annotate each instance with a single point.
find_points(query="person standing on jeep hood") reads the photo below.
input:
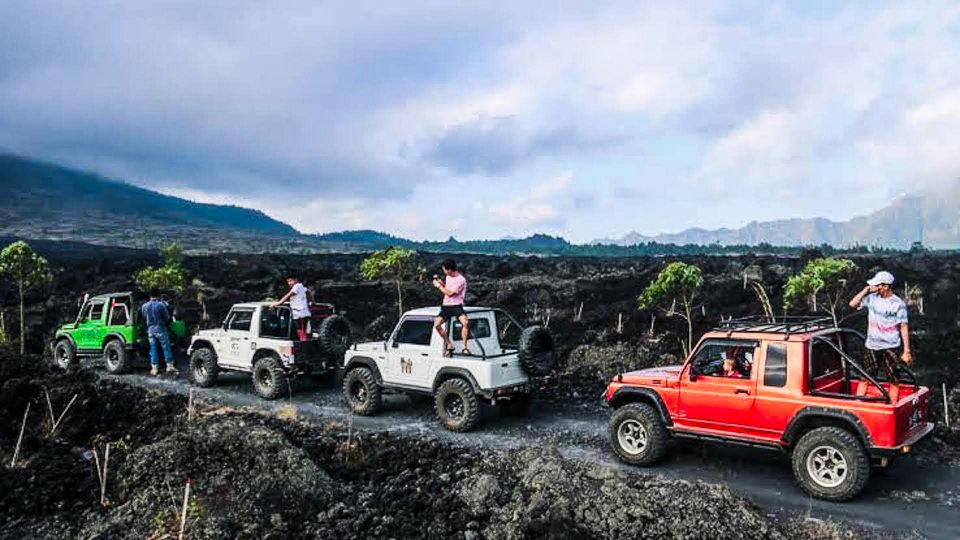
(157, 316)
(887, 327)
(299, 305)
(454, 289)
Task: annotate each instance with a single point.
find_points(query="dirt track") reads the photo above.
(913, 496)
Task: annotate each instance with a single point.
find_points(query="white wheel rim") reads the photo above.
(827, 466)
(632, 436)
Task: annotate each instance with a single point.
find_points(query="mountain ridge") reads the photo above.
(930, 218)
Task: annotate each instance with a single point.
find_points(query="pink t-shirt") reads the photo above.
(457, 284)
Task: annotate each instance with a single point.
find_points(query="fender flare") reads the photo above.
(113, 336)
(632, 394)
(451, 372)
(67, 337)
(201, 343)
(366, 361)
(808, 414)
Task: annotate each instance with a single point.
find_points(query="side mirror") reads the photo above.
(619, 367)
(693, 373)
(386, 336)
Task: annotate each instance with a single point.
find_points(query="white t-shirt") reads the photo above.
(298, 301)
(883, 321)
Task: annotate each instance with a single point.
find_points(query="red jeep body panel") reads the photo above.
(748, 410)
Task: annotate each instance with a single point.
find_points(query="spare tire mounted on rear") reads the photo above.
(537, 351)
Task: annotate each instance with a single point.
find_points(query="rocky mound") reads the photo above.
(258, 476)
(537, 493)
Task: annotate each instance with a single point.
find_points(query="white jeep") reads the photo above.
(259, 339)
(413, 359)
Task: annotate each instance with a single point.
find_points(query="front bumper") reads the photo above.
(906, 446)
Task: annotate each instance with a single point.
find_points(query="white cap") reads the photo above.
(882, 277)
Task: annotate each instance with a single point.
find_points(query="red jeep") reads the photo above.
(798, 385)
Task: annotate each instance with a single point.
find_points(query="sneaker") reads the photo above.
(171, 369)
(154, 372)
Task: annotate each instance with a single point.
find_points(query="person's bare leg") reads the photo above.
(465, 334)
(439, 323)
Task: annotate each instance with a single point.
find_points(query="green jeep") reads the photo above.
(110, 325)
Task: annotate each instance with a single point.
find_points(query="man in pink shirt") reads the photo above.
(454, 289)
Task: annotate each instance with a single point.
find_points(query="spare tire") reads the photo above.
(537, 351)
(335, 337)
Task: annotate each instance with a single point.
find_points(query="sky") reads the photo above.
(428, 119)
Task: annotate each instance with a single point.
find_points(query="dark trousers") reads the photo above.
(882, 363)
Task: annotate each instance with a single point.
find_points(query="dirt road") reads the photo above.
(910, 499)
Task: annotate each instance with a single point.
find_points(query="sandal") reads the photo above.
(466, 351)
(448, 351)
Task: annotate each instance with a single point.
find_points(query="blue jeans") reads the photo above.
(155, 335)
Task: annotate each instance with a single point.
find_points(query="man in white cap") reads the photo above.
(887, 327)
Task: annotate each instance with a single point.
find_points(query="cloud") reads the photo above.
(335, 116)
(540, 207)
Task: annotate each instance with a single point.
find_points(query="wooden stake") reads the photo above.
(16, 451)
(53, 419)
(103, 481)
(64, 413)
(946, 408)
(190, 406)
(619, 323)
(183, 514)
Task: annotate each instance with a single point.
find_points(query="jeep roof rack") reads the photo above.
(776, 325)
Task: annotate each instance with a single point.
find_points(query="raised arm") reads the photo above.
(858, 299)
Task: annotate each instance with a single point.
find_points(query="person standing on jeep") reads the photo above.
(454, 289)
(299, 305)
(157, 316)
(887, 327)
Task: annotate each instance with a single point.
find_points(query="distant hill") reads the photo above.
(42, 200)
(932, 218)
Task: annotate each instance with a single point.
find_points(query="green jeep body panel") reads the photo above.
(112, 316)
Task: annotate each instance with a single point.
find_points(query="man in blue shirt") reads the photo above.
(157, 316)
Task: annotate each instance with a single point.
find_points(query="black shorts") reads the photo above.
(451, 312)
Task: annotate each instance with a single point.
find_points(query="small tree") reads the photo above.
(822, 284)
(172, 276)
(27, 269)
(395, 263)
(679, 283)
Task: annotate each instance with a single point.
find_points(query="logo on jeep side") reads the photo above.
(406, 366)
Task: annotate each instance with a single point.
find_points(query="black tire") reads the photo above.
(456, 405)
(116, 358)
(830, 463)
(637, 434)
(361, 391)
(203, 367)
(269, 378)
(537, 351)
(64, 354)
(335, 337)
(519, 406)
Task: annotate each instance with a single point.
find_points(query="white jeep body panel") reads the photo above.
(239, 339)
(413, 357)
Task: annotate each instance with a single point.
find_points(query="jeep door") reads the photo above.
(235, 349)
(712, 400)
(409, 352)
(89, 334)
(119, 319)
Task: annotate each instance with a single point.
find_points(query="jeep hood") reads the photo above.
(647, 375)
(369, 346)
